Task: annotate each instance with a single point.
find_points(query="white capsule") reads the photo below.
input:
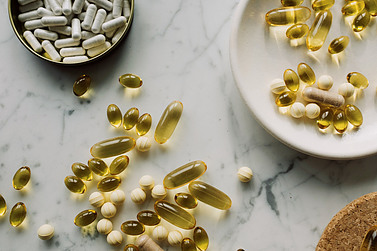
(72, 51)
(33, 24)
(87, 34)
(76, 29)
(114, 24)
(96, 199)
(75, 59)
(67, 7)
(104, 226)
(312, 94)
(64, 30)
(55, 7)
(117, 197)
(46, 4)
(146, 182)
(108, 210)
(77, 6)
(312, 110)
(325, 82)
(175, 238)
(278, 86)
(51, 51)
(346, 90)
(66, 42)
(31, 6)
(43, 12)
(89, 17)
(126, 9)
(160, 233)
(114, 238)
(107, 5)
(54, 21)
(297, 110)
(46, 232)
(94, 41)
(24, 2)
(118, 34)
(244, 174)
(46, 34)
(86, 5)
(32, 41)
(138, 196)
(158, 192)
(117, 8)
(98, 21)
(26, 16)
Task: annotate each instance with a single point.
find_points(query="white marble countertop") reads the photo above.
(180, 49)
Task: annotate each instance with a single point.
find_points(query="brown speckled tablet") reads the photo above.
(348, 227)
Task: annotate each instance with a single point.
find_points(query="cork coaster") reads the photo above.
(348, 227)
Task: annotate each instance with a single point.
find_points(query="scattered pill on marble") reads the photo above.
(244, 174)
(46, 232)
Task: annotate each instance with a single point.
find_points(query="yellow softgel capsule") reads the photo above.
(174, 214)
(287, 15)
(85, 217)
(338, 44)
(319, 5)
(148, 218)
(81, 85)
(143, 124)
(3, 205)
(109, 183)
(354, 115)
(371, 6)
(306, 73)
(114, 115)
(297, 31)
(210, 195)
(74, 184)
(98, 166)
(184, 174)
(132, 227)
(370, 240)
(361, 21)
(185, 200)
(188, 245)
(319, 30)
(168, 122)
(285, 99)
(82, 171)
(112, 147)
(130, 80)
(325, 118)
(21, 178)
(130, 118)
(131, 247)
(291, 2)
(201, 238)
(358, 80)
(353, 7)
(291, 80)
(119, 164)
(17, 214)
(340, 121)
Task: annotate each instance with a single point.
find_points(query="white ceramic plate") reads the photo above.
(259, 54)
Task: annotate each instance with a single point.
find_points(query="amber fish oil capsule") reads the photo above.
(114, 115)
(74, 184)
(291, 80)
(297, 31)
(131, 247)
(184, 174)
(291, 2)
(109, 183)
(82, 171)
(319, 30)
(148, 218)
(325, 118)
(201, 238)
(338, 44)
(21, 178)
(358, 80)
(168, 122)
(3, 205)
(143, 124)
(306, 73)
(132, 227)
(130, 118)
(361, 21)
(130, 80)
(353, 7)
(98, 166)
(371, 7)
(85, 217)
(340, 121)
(354, 115)
(285, 99)
(287, 15)
(119, 164)
(210, 195)
(319, 5)
(17, 214)
(112, 147)
(81, 85)
(174, 214)
(185, 200)
(188, 245)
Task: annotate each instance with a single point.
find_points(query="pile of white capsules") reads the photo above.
(75, 31)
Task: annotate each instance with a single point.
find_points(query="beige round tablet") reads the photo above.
(146, 182)
(96, 199)
(244, 174)
(46, 232)
(158, 192)
(104, 226)
(175, 238)
(114, 238)
(143, 144)
(117, 197)
(108, 210)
